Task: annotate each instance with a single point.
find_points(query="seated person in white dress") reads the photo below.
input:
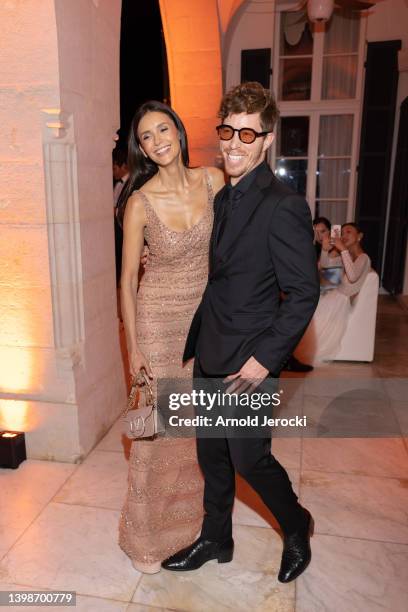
(322, 339)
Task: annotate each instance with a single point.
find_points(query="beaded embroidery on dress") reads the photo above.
(163, 509)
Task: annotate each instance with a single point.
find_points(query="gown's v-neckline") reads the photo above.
(201, 219)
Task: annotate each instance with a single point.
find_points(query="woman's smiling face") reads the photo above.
(158, 138)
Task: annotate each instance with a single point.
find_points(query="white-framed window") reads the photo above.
(317, 77)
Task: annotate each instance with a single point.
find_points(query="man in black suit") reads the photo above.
(261, 244)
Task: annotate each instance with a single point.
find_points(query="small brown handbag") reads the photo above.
(143, 421)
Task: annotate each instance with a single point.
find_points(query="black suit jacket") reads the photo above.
(267, 247)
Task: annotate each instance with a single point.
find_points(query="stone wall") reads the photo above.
(62, 379)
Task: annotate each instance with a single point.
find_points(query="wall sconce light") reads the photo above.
(12, 449)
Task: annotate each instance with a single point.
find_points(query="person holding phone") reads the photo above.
(322, 339)
(330, 265)
(321, 228)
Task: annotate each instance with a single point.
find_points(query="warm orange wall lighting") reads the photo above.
(19, 371)
(25, 320)
(227, 9)
(22, 330)
(14, 415)
(193, 48)
(16, 369)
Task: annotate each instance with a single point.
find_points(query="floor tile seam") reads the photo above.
(359, 539)
(135, 589)
(66, 480)
(351, 474)
(64, 503)
(106, 450)
(267, 526)
(42, 510)
(155, 607)
(99, 450)
(396, 417)
(43, 507)
(326, 534)
(139, 603)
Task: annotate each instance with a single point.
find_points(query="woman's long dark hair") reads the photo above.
(325, 222)
(142, 168)
(352, 224)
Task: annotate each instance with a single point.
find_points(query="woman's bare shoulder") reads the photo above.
(136, 199)
(217, 177)
(135, 207)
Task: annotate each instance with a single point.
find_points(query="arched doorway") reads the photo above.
(143, 59)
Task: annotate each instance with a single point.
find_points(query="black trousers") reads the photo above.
(251, 457)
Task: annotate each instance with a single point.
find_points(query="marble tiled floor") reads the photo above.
(58, 522)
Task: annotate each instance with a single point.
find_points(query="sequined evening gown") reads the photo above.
(163, 509)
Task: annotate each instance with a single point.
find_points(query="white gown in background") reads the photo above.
(322, 339)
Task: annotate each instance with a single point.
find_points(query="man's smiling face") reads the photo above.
(240, 158)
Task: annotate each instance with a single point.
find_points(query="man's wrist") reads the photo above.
(261, 361)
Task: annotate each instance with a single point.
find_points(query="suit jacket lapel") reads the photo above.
(244, 212)
(217, 218)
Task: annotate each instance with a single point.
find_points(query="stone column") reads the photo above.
(62, 379)
(191, 31)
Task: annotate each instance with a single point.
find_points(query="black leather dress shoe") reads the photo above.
(194, 556)
(294, 365)
(296, 551)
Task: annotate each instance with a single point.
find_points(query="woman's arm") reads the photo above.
(354, 269)
(133, 240)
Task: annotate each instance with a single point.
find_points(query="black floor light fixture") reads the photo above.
(12, 449)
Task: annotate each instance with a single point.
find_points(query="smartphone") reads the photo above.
(335, 231)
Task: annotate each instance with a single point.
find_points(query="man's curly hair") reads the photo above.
(250, 98)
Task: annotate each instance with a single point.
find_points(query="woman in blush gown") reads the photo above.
(322, 339)
(171, 208)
